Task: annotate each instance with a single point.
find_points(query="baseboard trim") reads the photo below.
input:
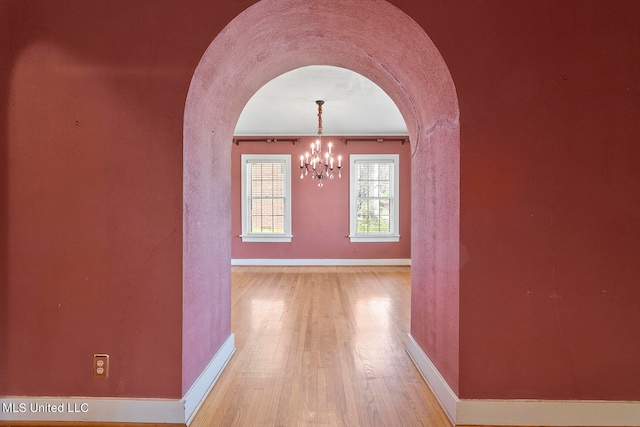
(91, 409)
(559, 413)
(201, 388)
(548, 413)
(309, 261)
(439, 386)
(51, 409)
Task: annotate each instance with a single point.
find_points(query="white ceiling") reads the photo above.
(354, 105)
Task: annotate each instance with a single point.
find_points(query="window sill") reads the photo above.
(281, 238)
(359, 238)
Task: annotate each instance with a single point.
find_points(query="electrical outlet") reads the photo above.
(100, 365)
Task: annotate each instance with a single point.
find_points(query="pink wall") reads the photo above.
(91, 207)
(320, 216)
(268, 41)
(550, 206)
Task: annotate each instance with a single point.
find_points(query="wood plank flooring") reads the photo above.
(320, 346)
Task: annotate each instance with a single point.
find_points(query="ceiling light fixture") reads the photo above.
(318, 164)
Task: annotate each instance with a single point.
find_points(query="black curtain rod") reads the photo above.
(237, 141)
(400, 139)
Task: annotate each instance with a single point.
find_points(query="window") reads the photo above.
(266, 198)
(374, 198)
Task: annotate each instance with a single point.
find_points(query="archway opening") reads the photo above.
(316, 221)
(265, 41)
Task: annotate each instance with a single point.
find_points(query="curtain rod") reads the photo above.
(400, 138)
(237, 141)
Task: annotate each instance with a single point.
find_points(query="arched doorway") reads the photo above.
(372, 38)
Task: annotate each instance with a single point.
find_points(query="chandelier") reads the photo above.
(318, 164)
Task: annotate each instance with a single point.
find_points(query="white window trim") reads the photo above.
(394, 235)
(247, 235)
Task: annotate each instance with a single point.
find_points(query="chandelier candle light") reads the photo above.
(318, 164)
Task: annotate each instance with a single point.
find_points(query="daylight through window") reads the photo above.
(374, 197)
(266, 198)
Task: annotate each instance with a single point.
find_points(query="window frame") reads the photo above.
(247, 235)
(394, 234)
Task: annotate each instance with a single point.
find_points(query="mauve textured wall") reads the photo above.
(267, 40)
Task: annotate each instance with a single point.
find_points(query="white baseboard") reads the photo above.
(91, 409)
(117, 410)
(522, 412)
(548, 413)
(194, 398)
(309, 261)
(445, 395)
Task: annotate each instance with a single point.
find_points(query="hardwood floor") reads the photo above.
(320, 346)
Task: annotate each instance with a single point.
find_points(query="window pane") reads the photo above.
(277, 189)
(374, 204)
(373, 199)
(384, 171)
(384, 207)
(363, 189)
(384, 189)
(256, 207)
(267, 197)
